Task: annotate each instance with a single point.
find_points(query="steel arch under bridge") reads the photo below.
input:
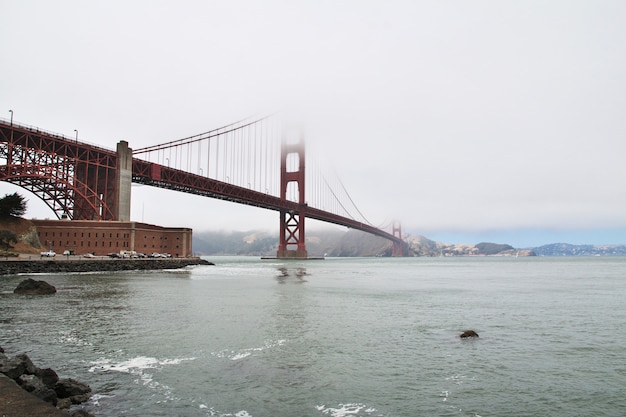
(76, 180)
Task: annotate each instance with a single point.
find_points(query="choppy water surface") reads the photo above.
(339, 337)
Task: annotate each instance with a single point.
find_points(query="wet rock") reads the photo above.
(68, 388)
(48, 376)
(13, 367)
(64, 403)
(468, 333)
(36, 387)
(29, 368)
(44, 383)
(31, 286)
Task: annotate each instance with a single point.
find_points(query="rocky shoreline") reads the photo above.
(46, 266)
(42, 384)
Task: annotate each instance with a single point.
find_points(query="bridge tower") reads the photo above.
(292, 239)
(397, 249)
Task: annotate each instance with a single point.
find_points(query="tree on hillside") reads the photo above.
(7, 239)
(12, 205)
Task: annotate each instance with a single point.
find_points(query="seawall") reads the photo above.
(50, 266)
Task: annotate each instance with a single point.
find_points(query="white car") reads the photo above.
(48, 254)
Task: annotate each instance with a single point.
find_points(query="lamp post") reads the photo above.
(168, 162)
(76, 134)
(11, 111)
(200, 171)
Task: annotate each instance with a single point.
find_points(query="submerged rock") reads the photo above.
(31, 286)
(468, 333)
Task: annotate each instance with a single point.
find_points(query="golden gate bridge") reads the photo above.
(257, 162)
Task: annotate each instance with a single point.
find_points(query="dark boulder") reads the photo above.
(29, 368)
(16, 366)
(13, 367)
(68, 388)
(48, 376)
(36, 387)
(468, 333)
(31, 286)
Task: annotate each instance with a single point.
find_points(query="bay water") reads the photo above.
(336, 337)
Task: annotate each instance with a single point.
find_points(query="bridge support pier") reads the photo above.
(397, 249)
(124, 174)
(292, 237)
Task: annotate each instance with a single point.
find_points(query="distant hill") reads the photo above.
(565, 249)
(336, 243)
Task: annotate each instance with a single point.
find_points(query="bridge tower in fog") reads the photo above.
(397, 249)
(292, 233)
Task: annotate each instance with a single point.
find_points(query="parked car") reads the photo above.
(89, 255)
(48, 254)
(114, 255)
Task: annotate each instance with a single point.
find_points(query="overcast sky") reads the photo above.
(462, 119)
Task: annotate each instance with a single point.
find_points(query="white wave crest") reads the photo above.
(234, 355)
(134, 364)
(343, 410)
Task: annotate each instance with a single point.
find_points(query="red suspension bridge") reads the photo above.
(254, 162)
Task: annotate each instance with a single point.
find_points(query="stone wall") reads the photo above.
(11, 267)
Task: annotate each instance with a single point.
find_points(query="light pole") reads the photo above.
(168, 162)
(200, 171)
(11, 111)
(76, 134)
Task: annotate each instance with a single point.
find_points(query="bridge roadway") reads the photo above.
(170, 178)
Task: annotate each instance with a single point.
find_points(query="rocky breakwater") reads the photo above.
(11, 267)
(43, 383)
